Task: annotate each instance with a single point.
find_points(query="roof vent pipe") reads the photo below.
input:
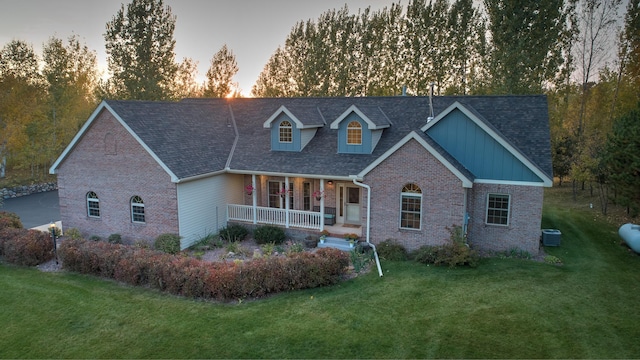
(430, 102)
(404, 90)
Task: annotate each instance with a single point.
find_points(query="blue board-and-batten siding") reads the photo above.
(476, 150)
(343, 147)
(276, 145)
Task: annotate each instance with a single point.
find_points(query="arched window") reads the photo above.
(137, 209)
(411, 207)
(286, 132)
(93, 205)
(354, 133)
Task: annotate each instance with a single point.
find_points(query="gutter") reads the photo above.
(375, 252)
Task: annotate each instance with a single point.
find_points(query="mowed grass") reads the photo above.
(505, 308)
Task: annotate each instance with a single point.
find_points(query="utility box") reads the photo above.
(551, 237)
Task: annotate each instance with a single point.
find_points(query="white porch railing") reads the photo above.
(274, 216)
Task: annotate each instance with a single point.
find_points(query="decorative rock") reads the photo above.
(14, 192)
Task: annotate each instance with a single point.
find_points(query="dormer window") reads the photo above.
(292, 129)
(359, 129)
(354, 133)
(286, 132)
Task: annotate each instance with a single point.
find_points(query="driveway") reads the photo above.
(35, 210)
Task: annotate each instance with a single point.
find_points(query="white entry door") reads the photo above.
(348, 204)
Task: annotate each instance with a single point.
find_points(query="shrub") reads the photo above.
(452, 255)
(554, 260)
(234, 232)
(115, 239)
(26, 247)
(269, 234)
(73, 233)
(94, 238)
(391, 250)
(193, 278)
(168, 243)
(9, 220)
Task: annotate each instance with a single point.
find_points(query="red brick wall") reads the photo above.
(442, 197)
(523, 231)
(110, 162)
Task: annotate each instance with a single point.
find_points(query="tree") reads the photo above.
(526, 39)
(220, 74)
(22, 120)
(467, 46)
(185, 84)
(140, 48)
(71, 75)
(623, 158)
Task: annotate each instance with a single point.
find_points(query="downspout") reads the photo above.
(375, 252)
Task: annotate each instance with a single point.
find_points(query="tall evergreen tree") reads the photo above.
(140, 48)
(623, 158)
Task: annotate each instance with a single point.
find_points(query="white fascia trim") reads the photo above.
(467, 183)
(54, 168)
(336, 123)
(510, 182)
(297, 175)
(201, 176)
(515, 152)
(283, 109)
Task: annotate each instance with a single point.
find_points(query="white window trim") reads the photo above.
(132, 205)
(415, 195)
(486, 212)
(281, 127)
(92, 200)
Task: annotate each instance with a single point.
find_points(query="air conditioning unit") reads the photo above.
(551, 237)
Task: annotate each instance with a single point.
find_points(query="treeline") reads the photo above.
(570, 50)
(584, 54)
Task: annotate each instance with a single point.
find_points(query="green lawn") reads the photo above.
(505, 308)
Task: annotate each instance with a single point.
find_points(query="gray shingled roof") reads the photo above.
(195, 136)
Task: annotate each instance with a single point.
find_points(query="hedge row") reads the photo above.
(198, 279)
(25, 247)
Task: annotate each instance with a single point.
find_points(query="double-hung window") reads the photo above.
(285, 132)
(354, 133)
(498, 206)
(411, 207)
(93, 205)
(137, 210)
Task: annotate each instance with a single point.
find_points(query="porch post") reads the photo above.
(254, 199)
(286, 202)
(322, 205)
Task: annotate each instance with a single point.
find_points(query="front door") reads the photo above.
(348, 204)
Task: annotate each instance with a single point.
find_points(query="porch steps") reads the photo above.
(336, 243)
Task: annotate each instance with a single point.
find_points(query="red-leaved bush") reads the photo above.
(25, 247)
(189, 277)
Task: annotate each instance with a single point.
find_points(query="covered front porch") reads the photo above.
(315, 204)
(287, 218)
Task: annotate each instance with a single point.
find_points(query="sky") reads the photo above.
(252, 29)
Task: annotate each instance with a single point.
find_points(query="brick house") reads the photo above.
(407, 168)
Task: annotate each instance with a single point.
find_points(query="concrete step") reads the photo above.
(336, 243)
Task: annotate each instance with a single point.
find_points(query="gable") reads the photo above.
(108, 140)
(480, 151)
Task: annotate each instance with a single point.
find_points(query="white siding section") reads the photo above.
(305, 136)
(202, 205)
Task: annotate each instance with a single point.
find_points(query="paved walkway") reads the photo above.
(35, 211)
